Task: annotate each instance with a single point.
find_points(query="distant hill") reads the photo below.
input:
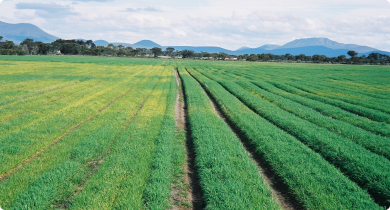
(269, 47)
(325, 42)
(295, 48)
(19, 32)
(101, 43)
(243, 48)
(377, 51)
(203, 49)
(141, 44)
(147, 43)
(309, 51)
(264, 47)
(309, 46)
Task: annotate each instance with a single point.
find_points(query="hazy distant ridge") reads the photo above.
(19, 32)
(325, 42)
(307, 46)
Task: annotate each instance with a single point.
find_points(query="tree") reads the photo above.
(214, 55)
(136, 51)
(57, 44)
(373, 56)
(187, 53)
(301, 57)
(29, 43)
(43, 48)
(223, 55)
(156, 51)
(286, 56)
(120, 47)
(70, 48)
(80, 42)
(8, 45)
(352, 53)
(89, 43)
(341, 58)
(111, 46)
(319, 58)
(1, 37)
(271, 56)
(252, 57)
(290, 57)
(143, 51)
(169, 51)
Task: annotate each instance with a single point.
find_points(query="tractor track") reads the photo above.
(194, 193)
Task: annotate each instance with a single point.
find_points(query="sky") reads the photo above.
(230, 24)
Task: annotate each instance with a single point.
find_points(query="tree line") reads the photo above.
(372, 58)
(80, 47)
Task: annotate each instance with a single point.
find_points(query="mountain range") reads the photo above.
(308, 46)
(19, 32)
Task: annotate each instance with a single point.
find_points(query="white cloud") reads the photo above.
(47, 10)
(146, 9)
(226, 23)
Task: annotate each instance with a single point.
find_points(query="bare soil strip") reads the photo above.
(194, 193)
(6, 175)
(278, 188)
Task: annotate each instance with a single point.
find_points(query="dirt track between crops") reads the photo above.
(193, 194)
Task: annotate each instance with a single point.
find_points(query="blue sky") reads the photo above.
(226, 23)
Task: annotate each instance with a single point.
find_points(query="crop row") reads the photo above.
(336, 88)
(313, 181)
(357, 106)
(29, 133)
(228, 177)
(158, 190)
(42, 184)
(377, 144)
(124, 174)
(54, 94)
(323, 108)
(368, 170)
(12, 110)
(361, 111)
(352, 85)
(29, 80)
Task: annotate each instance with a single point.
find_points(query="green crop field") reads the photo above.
(119, 133)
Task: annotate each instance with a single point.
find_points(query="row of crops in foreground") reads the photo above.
(113, 133)
(88, 136)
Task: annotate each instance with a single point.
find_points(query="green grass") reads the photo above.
(229, 179)
(370, 171)
(377, 144)
(323, 130)
(122, 177)
(310, 178)
(356, 109)
(80, 147)
(158, 190)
